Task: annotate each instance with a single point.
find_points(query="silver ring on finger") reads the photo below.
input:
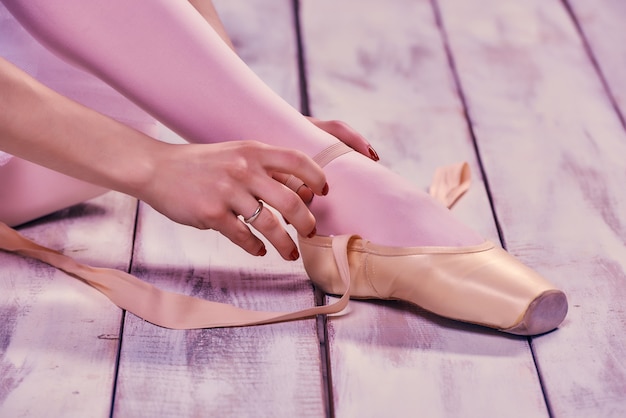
(255, 215)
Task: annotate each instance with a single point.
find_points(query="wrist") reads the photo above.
(133, 169)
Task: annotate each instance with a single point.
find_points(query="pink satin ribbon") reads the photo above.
(177, 311)
(450, 183)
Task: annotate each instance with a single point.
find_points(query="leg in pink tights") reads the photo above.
(28, 191)
(169, 60)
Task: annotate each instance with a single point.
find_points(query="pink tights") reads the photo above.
(167, 59)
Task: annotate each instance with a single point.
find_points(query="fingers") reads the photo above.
(296, 163)
(233, 177)
(274, 163)
(296, 185)
(346, 134)
(268, 225)
(288, 203)
(264, 221)
(239, 233)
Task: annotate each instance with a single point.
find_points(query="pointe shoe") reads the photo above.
(481, 284)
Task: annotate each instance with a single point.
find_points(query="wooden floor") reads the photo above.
(531, 93)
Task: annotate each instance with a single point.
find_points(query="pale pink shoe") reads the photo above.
(481, 284)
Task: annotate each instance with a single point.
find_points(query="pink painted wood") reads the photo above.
(554, 149)
(383, 68)
(602, 23)
(59, 337)
(272, 370)
(553, 152)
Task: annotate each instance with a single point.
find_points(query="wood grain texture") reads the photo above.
(263, 35)
(270, 370)
(267, 370)
(383, 68)
(602, 23)
(59, 337)
(554, 151)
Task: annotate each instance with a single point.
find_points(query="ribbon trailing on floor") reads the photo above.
(177, 311)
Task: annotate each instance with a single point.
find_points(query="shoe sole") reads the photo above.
(544, 314)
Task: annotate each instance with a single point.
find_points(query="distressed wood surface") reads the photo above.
(272, 370)
(267, 370)
(602, 24)
(59, 337)
(553, 148)
(383, 68)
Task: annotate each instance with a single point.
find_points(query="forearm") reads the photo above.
(41, 126)
(173, 64)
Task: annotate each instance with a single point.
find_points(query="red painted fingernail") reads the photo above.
(373, 154)
(325, 189)
(261, 252)
(294, 254)
(312, 234)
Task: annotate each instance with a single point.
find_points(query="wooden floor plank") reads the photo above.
(553, 150)
(602, 23)
(383, 68)
(272, 370)
(59, 337)
(250, 371)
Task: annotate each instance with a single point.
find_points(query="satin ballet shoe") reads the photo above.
(480, 284)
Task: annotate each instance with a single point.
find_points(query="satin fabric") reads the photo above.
(176, 311)
(166, 309)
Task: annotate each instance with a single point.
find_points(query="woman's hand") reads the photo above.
(208, 186)
(346, 134)
(343, 132)
(205, 186)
